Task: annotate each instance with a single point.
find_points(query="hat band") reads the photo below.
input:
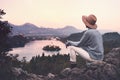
(92, 22)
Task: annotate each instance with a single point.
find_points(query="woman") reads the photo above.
(90, 46)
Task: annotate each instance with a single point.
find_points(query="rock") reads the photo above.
(50, 76)
(109, 69)
(18, 71)
(95, 72)
(113, 57)
(103, 71)
(65, 72)
(24, 75)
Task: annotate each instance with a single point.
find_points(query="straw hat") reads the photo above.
(90, 21)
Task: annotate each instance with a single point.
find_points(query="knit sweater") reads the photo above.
(92, 42)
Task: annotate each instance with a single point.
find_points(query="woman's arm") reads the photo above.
(74, 43)
(82, 40)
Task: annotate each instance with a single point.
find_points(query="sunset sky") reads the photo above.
(60, 13)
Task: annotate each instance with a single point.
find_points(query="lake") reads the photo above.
(34, 48)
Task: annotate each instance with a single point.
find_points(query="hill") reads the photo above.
(106, 37)
(111, 40)
(29, 29)
(111, 36)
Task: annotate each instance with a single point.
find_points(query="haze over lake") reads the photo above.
(34, 48)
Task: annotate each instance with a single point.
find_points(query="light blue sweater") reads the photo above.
(92, 42)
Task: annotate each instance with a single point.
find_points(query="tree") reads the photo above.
(5, 29)
(5, 60)
(2, 13)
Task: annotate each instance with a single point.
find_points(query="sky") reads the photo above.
(61, 13)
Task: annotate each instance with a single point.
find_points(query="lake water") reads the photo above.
(34, 48)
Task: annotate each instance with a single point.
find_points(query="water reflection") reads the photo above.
(35, 48)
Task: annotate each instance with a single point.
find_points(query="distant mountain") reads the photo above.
(25, 29)
(68, 30)
(29, 29)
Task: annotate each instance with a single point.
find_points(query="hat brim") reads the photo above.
(87, 23)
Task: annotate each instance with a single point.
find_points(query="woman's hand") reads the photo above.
(68, 43)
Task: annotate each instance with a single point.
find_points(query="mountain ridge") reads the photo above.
(29, 29)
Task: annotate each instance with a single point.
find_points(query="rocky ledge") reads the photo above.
(109, 69)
